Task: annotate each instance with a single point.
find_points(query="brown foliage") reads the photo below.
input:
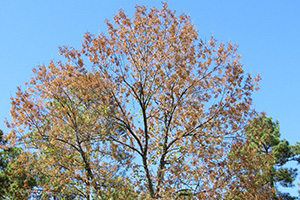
(249, 172)
(148, 98)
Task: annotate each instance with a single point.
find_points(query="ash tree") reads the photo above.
(147, 110)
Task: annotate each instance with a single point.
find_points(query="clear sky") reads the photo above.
(267, 32)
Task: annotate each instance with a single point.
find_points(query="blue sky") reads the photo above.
(267, 32)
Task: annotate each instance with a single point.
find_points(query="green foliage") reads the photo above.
(264, 135)
(13, 185)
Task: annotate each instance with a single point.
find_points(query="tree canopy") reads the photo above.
(261, 157)
(15, 183)
(264, 136)
(145, 111)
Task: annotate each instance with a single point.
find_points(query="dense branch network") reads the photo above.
(144, 108)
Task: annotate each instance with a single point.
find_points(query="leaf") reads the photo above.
(147, 92)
